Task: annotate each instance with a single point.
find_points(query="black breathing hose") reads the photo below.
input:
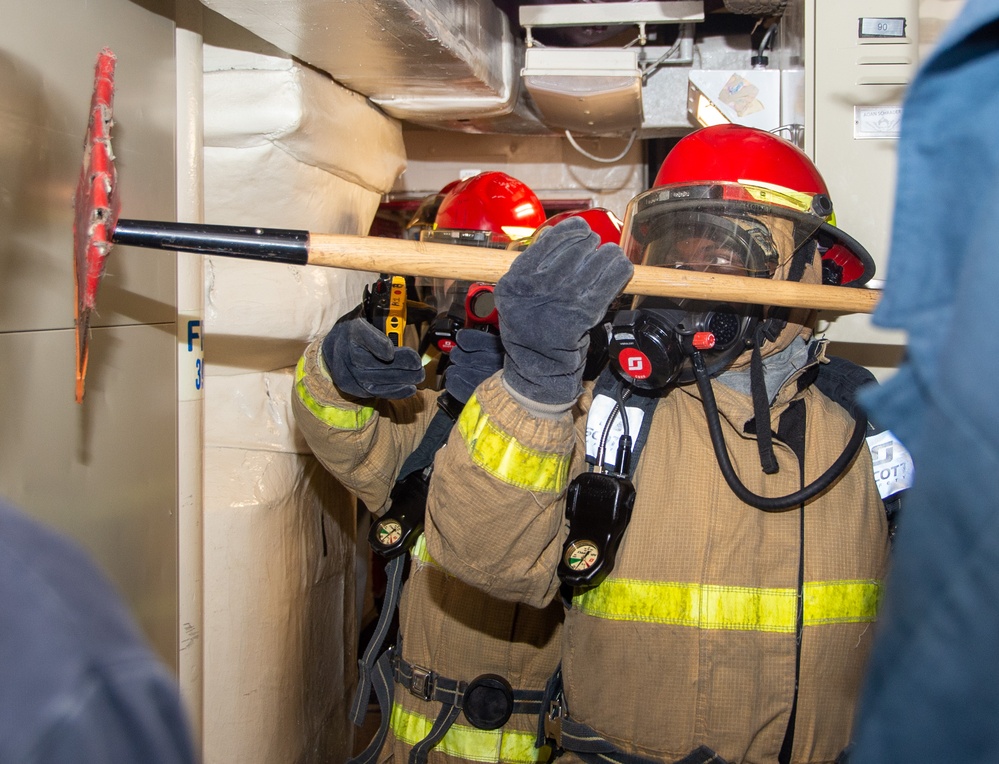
(765, 503)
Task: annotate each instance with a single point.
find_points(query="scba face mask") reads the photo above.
(650, 346)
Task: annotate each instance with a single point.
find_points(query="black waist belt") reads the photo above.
(489, 690)
(488, 702)
(590, 746)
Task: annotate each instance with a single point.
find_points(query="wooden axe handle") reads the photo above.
(409, 258)
(404, 257)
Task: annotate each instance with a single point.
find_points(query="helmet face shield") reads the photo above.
(470, 238)
(437, 293)
(696, 241)
(718, 228)
(466, 302)
(423, 217)
(763, 175)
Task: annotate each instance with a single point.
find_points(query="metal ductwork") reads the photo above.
(475, 66)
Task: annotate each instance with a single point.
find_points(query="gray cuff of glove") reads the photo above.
(540, 410)
(552, 378)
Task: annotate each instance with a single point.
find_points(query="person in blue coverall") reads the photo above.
(79, 683)
(932, 691)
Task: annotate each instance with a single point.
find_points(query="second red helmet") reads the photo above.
(490, 209)
(601, 220)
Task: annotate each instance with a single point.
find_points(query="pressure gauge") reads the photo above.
(581, 555)
(389, 532)
(598, 507)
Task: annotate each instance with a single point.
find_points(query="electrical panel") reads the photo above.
(860, 57)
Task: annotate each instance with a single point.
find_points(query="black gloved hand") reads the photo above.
(365, 363)
(554, 293)
(476, 357)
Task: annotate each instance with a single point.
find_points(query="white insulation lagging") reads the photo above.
(285, 147)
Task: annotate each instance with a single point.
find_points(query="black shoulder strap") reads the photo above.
(422, 457)
(839, 380)
(609, 384)
(436, 436)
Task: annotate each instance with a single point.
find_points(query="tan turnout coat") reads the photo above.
(691, 640)
(446, 625)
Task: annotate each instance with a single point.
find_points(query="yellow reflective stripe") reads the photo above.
(500, 746)
(419, 550)
(341, 419)
(499, 454)
(771, 193)
(731, 607)
(841, 601)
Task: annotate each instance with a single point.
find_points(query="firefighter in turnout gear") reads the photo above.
(706, 513)
(464, 681)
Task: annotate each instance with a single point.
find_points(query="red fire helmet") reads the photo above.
(601, 220)
(739, 171)
(490, 209)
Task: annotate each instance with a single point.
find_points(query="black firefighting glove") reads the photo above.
(365, 363)
(554, 293)
(476, 357)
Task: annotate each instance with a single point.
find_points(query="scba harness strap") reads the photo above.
(487, 701)
(381, 682)
(418, 462)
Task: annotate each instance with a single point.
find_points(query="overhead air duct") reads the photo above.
(598, 92)
(479, 66)
(418, 60)
(595, 90)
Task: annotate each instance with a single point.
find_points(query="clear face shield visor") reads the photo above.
(468, 302)
(707, 243)
(727, 228)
